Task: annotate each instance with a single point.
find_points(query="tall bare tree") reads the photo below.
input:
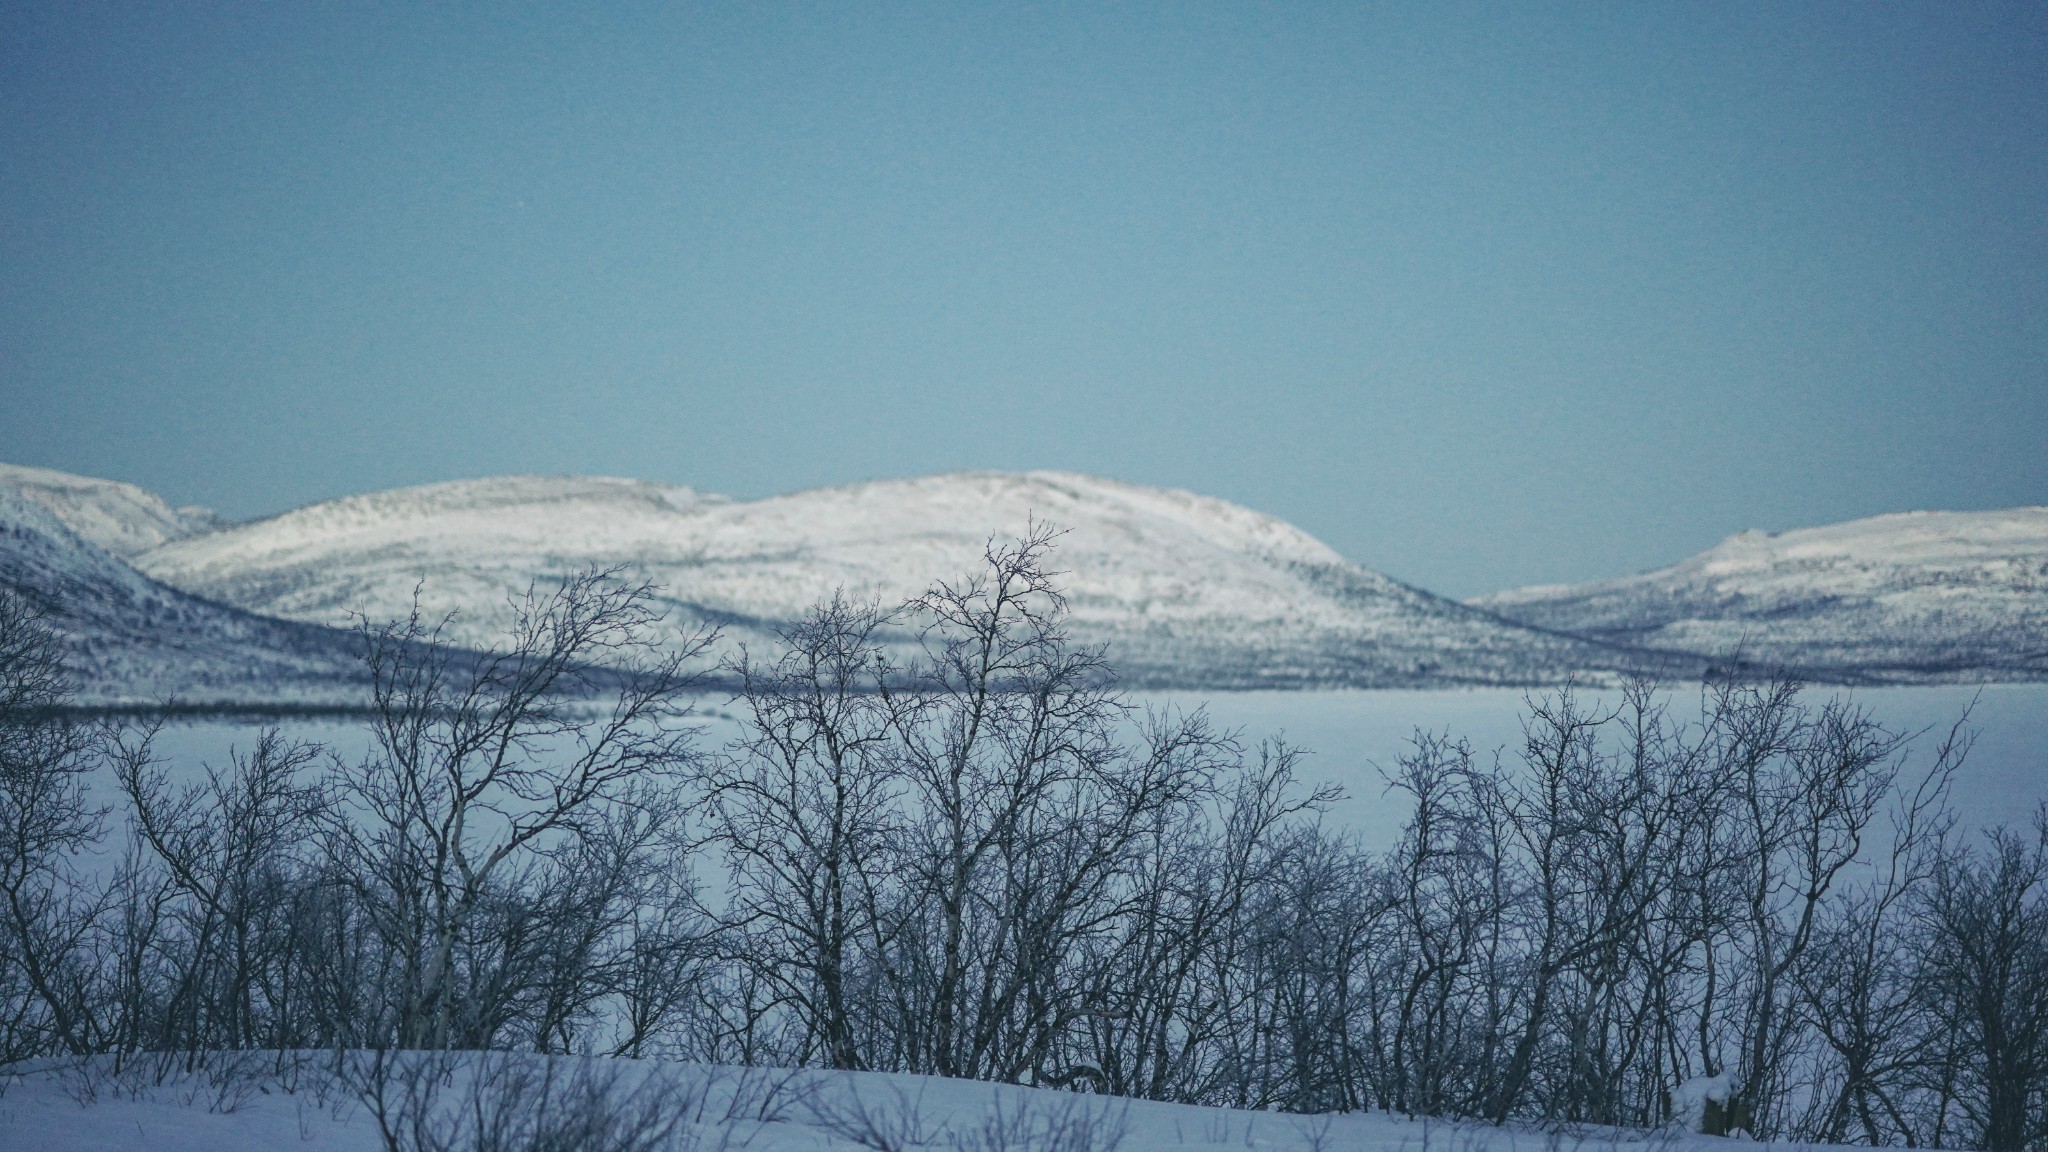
(48, 910)
(487, 767)
(804, 809)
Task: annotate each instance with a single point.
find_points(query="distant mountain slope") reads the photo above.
(121, 518)
(1189, 591)
(135, 641)
(1904, 597)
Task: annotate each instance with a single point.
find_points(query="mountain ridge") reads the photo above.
(134, 642)
(122, 518)
(1187, 590)
(1904, 596)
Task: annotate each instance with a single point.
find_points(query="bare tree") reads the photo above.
(1865, 987)
(1804, 789)
(48, 908)
(1989, 961)
(485, 768)
(1023, 804)
(985, 861)
(1450, 889)
(229, 847)
(804, 810)
(1176, 995)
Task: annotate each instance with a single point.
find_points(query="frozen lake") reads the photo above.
(1352, 734)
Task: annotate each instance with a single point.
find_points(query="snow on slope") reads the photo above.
(135, 641)
(761, 1110)
(1188, 591)
(1904, 597)
(121, 518)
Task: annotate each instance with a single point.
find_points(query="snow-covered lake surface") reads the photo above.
(1353, 734)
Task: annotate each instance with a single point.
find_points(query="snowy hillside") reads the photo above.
(1188, 591)
(664, 1107)
(121, 518)
(135, 641)
(1908, 597)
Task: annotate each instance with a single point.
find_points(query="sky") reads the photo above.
(1481, 295)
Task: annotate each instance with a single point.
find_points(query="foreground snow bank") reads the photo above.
(503, 1103)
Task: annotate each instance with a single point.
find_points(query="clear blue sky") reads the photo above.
(1481, 295)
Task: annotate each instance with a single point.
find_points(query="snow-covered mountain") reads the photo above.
(135, 641)
(1915, 596)
(121, 518)
(1188, 591)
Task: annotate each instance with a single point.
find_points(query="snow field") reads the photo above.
(486, 1102)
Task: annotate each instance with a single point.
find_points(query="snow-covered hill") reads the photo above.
(135, 641)
(1188, 591)
(121, 518)
(1916, 596)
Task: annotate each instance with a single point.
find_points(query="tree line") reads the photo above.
(981, 860)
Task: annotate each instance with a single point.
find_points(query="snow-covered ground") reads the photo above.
(730, 1109)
